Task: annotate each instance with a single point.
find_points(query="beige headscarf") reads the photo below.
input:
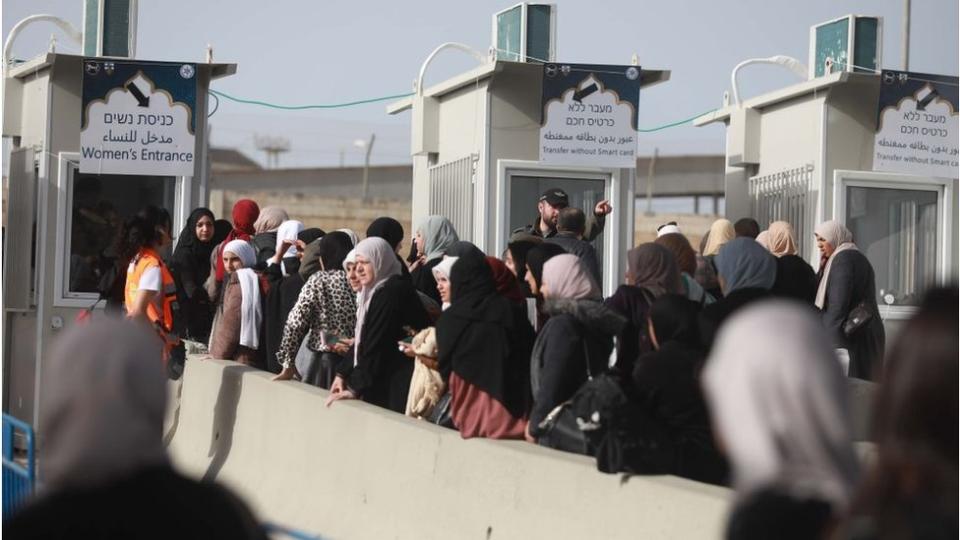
(779, 402)
(840, 237)
(270, 219)
(781, 239)
(720, 233)
(764, 239)
(566, 277)
(104, 397)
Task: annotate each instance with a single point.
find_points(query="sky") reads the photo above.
(296, 52)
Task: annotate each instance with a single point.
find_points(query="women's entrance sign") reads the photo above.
(917, 125)
(590, 115)
(138, 118)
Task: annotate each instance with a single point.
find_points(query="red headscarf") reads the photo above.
(245, 212)
(506, 282)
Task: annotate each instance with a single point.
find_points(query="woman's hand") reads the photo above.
(527, 436)
(287, 374)
(421, 260)
(338, 385)
(284, 247)
(338, 390)
(407, 349)
(342, 347)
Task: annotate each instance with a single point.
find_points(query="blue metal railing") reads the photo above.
(18, 480)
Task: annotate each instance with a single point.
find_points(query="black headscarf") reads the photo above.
(519, 251)
(674, 318)
(333, 249)
(539, 255)
(309, 235)
(387, 228)
(191, 253)
(478, 337)
(221, 229)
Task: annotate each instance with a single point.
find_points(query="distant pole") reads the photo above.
(366, 166)
(650, 170)
(905, 45)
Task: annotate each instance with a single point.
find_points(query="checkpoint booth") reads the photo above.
(94, 140)
(488, 142)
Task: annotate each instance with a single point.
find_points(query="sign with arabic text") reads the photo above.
(917, 125)
(138, 118)
(590, 115)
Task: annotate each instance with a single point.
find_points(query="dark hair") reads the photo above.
(141, 230)
(747, 227)
(682, 251)
(915, 420)
(538, 256)
(571, 219)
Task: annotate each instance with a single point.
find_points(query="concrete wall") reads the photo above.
(357, 471)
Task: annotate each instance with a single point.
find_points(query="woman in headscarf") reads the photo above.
(236, 335)
(285, 256)
(747, 273)
(795, 278)
(651, 273)
(190, 266)
(506, 282)
(354, 238)
(106, 472)
(265, 232)
(911, 489)
(388, 311)
(669, 401)
(779, 406)
(435, 234)
(686, 259)
(720, 233)
(515, 257)
(575, 342)
(536, 258)
(392, 231)
(847, 283)
(245, 213)
(327, 309)
(484, 345)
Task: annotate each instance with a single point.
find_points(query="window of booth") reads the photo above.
(95, 207)
(902, 224)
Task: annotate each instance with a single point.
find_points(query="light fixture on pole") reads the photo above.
(368, 146)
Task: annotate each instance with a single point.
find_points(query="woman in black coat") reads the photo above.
(388, 311)
(668, 396)
(847, 282)
(190, 266)
(575, 341)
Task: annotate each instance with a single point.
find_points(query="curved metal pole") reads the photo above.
(418, 88)
(788, 62)
(64, 25)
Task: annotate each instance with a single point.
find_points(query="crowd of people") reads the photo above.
(724, 364)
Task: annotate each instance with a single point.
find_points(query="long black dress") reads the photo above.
(424, 281)
(382, 374)
(851, 282)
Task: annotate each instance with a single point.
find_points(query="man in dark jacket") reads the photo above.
(551, 202)
(571, 224)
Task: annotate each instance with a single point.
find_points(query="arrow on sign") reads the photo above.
(142, 100)
(580, 94)
(922, 104)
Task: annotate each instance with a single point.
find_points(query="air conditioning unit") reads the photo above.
(851, 43)
(526, 33)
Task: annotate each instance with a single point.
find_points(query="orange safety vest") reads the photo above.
(160, 309)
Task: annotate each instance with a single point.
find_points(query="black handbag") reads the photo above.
(562, 429)
(440, 415)
(856, 319)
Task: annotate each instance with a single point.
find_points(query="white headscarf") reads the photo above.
(720, 233)
(352, 234)
(250, 312)
(779, 403)
(443, 268)
(385, 264)
(103, 403)
(243, 250)
(288, 231)
(840, 237)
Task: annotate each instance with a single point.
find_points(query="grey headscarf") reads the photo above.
(103, 403)
(779, 402)
(438, 235)
(743, 264)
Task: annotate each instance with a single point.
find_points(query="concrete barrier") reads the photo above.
(357, 471)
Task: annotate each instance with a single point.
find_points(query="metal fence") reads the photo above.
(786, 196)
(451, 193)
(18, 474)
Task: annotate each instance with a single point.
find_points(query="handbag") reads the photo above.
(856, 319)
(562, 429)
(440, 415)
